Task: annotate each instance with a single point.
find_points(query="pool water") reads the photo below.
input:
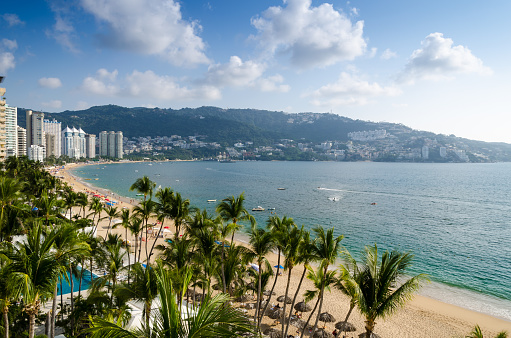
(86, 282)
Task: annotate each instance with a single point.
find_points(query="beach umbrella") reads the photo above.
(288, 299)
(297, 322)
(277, 314)
(166, 230)
(345, 327)
(373, 335)
(326, 317)
(302, 307)
(278, 266)
(167, 227)
(253, 266)
(272, 333)
(268, 292)
(116, 221)
(243, 298)
(320, 333)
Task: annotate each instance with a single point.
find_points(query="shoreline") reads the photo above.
(421, 317)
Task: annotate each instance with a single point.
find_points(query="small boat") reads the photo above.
(259, 208)
(373, 203)
(87, 179)
(140, 194)
(281, 188)
(96, 179)
(271, 208)
(211, 201)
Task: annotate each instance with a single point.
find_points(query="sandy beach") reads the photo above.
(421, 317)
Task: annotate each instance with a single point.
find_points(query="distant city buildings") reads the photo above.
(22, 142)
(11, 130)
(110, 144)
(53, 138)
(3, 151)
(369, 135)
(425, 152)
(35, 130)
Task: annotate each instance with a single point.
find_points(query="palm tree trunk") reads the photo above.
(61, 302)
(80, 279)
(146, 240)
(285, 298)
(352, 306)
(31, 324)
(273, 287)
(258, 304)
(128, 250)
(71, 283)
(308, 319)
(154, 243)
(139, 250)
(369, 327)
(53, 312)
(294, 299)
(147, 315)
(321, 300)
(223, 266)
(5, 312)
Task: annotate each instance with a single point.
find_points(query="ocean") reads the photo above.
(455, 218)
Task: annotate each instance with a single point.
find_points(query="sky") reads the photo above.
(440, 66)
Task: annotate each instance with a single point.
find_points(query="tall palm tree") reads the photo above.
(8, 292)
(215, 317)
(232, 209)
(376, 283)
(96, 207)
(163, 209)
(34, 270)
(82, 200)
(111, 212)
(136, 226)
(180, 210)
(145, 210)
(125, 218)
(144, 288)
(70, 198)
(322, 282)
(144, 186)
(326, 248)
(261, 243)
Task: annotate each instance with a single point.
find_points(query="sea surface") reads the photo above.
(455, 218)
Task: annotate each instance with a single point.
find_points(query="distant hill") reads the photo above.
(227, 126)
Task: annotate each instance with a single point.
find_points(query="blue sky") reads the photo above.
(441, 66)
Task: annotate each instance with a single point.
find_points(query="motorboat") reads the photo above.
(259, 208)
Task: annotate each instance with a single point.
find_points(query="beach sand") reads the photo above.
(420, 317)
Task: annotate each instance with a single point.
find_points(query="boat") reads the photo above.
(227, 161)
(211, 201)
(271, 208)
(87, 179)
(281, 188)
(259, 208)
(96, 179)
(140, 194)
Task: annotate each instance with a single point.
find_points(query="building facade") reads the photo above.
(36, 153)
(90, 145)
(22, 142)
(110, 144)
(53, 128)
(35, 129)
(11, 131)
(3, 151)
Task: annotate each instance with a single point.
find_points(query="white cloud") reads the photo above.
(6, 62)
(313, 36)
(151, 27)
(146, 85)
(272, 84)
(439, 59)
(373, 52)
(350, 90)
(55, 104)
(388, 54)
(10, 44)
(50, 82)
(12, 19)
(62, 31)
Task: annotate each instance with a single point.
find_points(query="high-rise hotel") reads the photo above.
(110, 144)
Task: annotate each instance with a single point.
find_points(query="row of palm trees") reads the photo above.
(198, 260)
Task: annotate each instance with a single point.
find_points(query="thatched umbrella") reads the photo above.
(268, 292)
(302, 307)
(345, 327)
(277, 314)
(243, 298)
(288, 299)
(326, 317)
(273, 333)
(297, 322)
(373, 335)
(320, 333)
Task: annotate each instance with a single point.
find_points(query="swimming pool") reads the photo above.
(86, 282)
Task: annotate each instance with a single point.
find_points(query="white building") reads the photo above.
(36, 153)
(425, 152)
(22, 142)
(74, 143)
(90, 145)
(11, 130)
(53, 144)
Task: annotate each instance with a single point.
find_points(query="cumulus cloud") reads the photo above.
(12, 19)
(439, 59)
(6, 62)
(55, 104)
(237, 73)
(151, 27)
(50, 82)
(10, 44)
(312, 36)
(81, 105)
(144, 85)
(388, 54)
(350, 90)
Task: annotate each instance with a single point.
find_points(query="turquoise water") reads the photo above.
(66, 287)
(454, 217)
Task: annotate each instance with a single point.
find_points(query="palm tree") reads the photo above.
(111, 212)
(261, 243)
(144, 186)
(322, 281)
(144, 288)
(215, 317)
(49, 205)
(70, 198)
(326, 248)
(477, 333)
(163, 209)
(376, 283)
(34, 270)
(125, 218)
(8, 292)
(96, 207)
(145, 210)
(180, 209)
(114, 262)
(347, 272)
(135, 226)
(82, 200)
(232, 209)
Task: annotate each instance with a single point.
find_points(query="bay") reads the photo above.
(455, 218)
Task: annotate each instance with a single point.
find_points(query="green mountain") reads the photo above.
(262, 127)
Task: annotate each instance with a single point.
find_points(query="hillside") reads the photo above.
(265, 128)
